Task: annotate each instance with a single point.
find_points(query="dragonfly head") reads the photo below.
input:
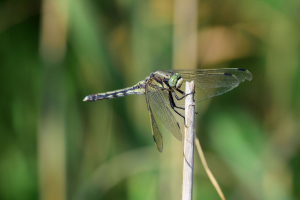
(175, 80)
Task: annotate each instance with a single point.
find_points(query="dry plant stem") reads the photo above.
(51, 137)
(188, 155)
(207, 170)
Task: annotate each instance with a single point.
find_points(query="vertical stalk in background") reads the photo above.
(185, 34)
(51, 131)
(188, 152)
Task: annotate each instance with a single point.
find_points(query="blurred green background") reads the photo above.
(54, 146)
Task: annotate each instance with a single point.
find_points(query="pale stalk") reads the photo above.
(188, 155)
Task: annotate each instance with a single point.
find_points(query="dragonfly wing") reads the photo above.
(157, 137)
(241, 74)
(158, 103)
(213, 82)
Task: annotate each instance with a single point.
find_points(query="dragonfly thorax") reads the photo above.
(175, 80)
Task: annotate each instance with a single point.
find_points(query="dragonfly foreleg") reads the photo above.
(181, 92)
(180, 98)
(173, 105)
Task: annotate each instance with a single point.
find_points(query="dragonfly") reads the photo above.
(165, 92)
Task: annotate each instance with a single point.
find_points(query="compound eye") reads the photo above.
(178, 75)
(173, 81)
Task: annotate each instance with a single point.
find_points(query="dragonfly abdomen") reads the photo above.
(136, 89)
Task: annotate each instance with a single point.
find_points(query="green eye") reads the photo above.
(173, 80)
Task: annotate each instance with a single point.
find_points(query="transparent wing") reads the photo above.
(157, 137)
(241, 74)
(213, 82)
(160, 107)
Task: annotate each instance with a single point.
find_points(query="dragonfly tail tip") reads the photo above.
(85, 99)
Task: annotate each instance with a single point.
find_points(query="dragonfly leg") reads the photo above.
(173, 105)
(180, 98)
(181, 92)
